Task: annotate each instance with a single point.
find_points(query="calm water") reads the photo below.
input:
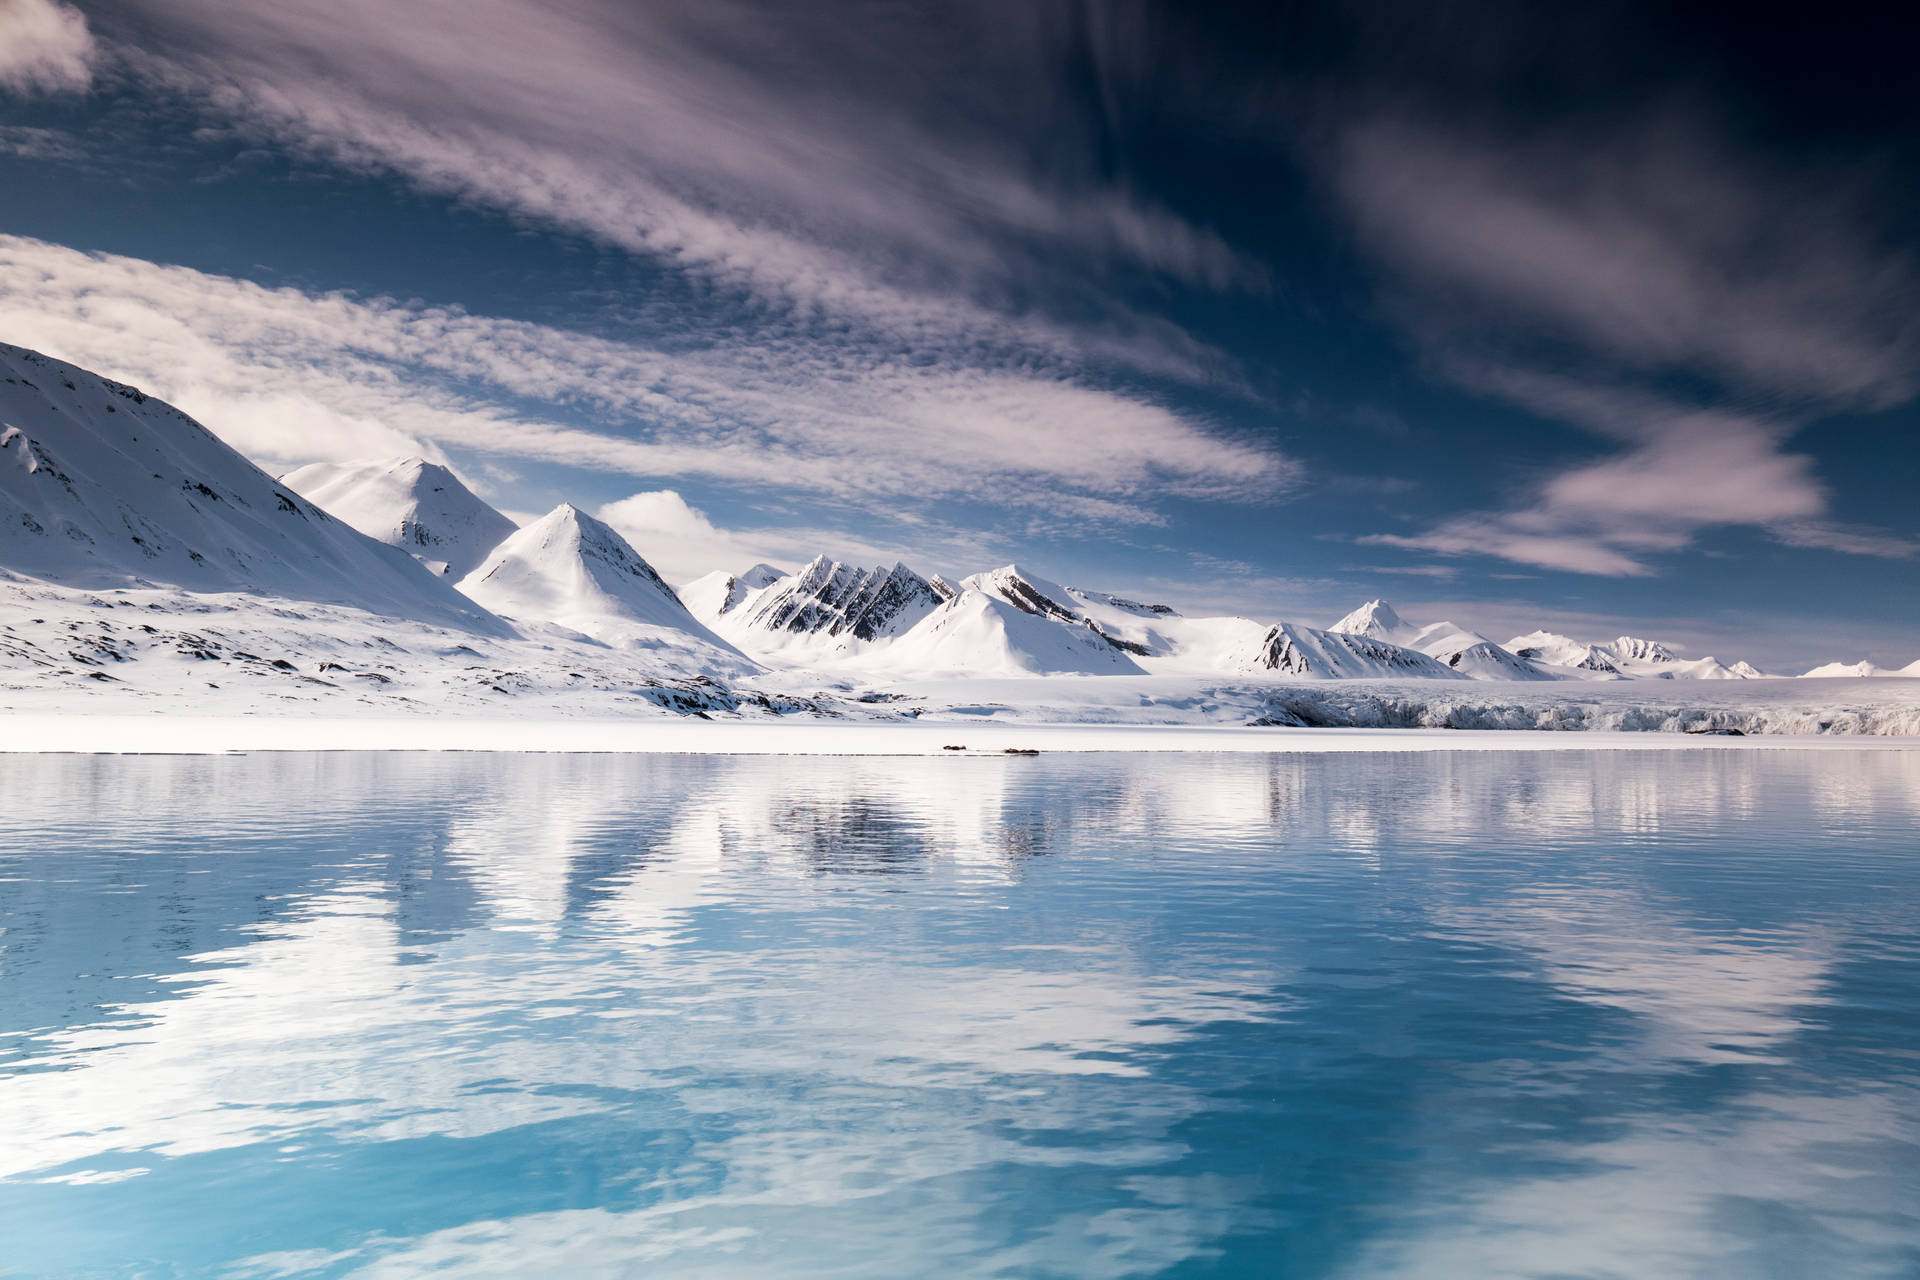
(1433, 1015)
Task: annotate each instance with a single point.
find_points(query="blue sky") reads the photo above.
(1582, 320)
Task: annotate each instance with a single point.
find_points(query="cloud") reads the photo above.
(1650, 247)
(1853, 541)
(290, 376)
(44, 46)
(1583, 275)
(1407, 570)
(1507, 537)
(25, 142)
(1693, 469)
(808, 162)
(680, 540)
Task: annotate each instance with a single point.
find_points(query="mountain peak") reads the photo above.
(575, 571)
(421, 507)
(1635, 649)
(1375, 619)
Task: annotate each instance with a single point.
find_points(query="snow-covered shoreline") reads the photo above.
(174, 734)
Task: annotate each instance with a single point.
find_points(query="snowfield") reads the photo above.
(160, 592)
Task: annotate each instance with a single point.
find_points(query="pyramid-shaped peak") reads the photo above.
(574, 570)
(1375, 618)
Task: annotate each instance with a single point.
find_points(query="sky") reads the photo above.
(1597, 318)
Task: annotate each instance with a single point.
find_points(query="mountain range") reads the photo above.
(104, 489)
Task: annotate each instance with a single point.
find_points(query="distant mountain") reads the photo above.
(1861, 670)
(104, 486)
(1637, 652)
(1557, 650)
(418, 506)
(828, 611)
(1157, 638)
(569, 570)
(1375, 620)
(1291, 650)
(979, 633)
(719, 592)
(1473, 655)
(1460, 651)
(1538, 655)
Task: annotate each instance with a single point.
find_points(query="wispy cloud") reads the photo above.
(1852, 540)
(1629, 262)
(45, 46)
(795, 156)
(682, 541)
(1650, 247)
(290, 376)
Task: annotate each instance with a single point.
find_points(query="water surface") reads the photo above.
(1607, 1014)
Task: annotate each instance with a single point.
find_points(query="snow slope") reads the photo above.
(979, 634)
(569, 570)
(418, 506)
(1157, 638)
(103, 486)
(717, 593)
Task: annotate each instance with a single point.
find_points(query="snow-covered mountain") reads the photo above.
(1474, 656)
(418, 506)
(1557, 650)
(1632, 649)
(569, 570)
(977, 633)
(1375, 620)
(1303, 652)
(828, 611)
(1460, 651)
(1861, 670)
(709, 597)
(1538, 655)
(102, 486)
(895, 620)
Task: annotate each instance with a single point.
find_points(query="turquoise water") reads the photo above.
(1361, 1015)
